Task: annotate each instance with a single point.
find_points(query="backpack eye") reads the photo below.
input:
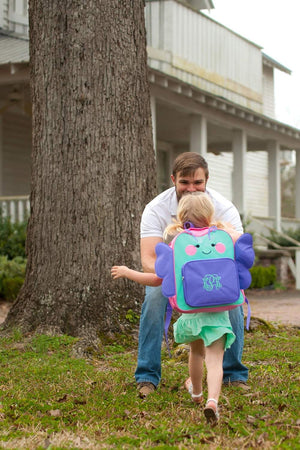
(213, 244)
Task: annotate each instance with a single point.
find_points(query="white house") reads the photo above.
(212, 91)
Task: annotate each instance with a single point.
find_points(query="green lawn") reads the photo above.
(49, 399)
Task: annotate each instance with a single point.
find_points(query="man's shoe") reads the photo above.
(240, 384)
(145, 388)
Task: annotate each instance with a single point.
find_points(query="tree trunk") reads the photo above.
(93, 165)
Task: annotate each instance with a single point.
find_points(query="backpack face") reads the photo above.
(205, 273)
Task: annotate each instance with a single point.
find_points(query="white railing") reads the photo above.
(17, 208)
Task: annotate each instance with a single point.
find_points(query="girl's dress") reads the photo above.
(206, 326)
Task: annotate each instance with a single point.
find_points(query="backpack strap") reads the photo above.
(169, 310)
(248, 314)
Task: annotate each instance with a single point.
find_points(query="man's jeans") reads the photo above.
(151, 335)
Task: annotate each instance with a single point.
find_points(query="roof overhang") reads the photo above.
(270, 62)
(197, 101)
(196, 4)
(201, 4)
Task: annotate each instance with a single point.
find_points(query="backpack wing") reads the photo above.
(244, 257)
(164, 268)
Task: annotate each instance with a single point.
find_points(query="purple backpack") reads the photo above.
(204, 271)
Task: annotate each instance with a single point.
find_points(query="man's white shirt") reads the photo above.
(158, 214)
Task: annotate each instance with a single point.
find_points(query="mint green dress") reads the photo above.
(206, 326)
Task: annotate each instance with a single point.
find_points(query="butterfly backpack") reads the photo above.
(204, 271)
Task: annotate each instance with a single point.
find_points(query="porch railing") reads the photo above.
(17, 208)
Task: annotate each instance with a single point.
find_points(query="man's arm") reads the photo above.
(148, 255)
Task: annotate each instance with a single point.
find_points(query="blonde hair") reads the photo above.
(196, 208)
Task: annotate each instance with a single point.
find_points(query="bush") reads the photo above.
(11, 287)
(262, 276)
(12, 274)
(12, 238)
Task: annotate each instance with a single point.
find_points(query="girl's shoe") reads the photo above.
(197, 398)
(211, 411)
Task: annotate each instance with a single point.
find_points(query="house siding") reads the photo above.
(268, 92)
(257, 187)
(204, 53)
(257, 192)
(16, 154)
(220, 173)
(14, 16)
(4, 14)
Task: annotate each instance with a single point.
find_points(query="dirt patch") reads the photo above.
(4, 308)
(275, 306)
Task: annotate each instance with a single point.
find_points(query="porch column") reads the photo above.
(1, 155)
(297, 193)
(153, 117)
(198, 135)
(239, 150)
(297, 212)
(274, 183)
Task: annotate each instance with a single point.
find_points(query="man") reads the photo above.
(190, 174)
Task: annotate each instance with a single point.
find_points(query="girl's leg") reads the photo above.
(196, 358)
(214, 364)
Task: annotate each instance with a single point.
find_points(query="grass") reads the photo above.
(50, 400)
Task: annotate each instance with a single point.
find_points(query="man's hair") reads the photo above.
(187, 163)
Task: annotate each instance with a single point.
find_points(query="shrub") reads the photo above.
(12, 274)
(262, 276)
(11, 287)
(12, 238)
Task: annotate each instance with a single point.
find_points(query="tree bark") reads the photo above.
(93, 165)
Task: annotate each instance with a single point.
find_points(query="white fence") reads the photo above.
(17, 208)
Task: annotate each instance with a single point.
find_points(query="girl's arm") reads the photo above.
(232, 231)
(147, 279)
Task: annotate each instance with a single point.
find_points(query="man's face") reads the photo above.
(189, 183)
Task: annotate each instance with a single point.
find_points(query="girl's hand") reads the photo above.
(118, 272)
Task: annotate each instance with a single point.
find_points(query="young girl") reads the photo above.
(209, 334)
